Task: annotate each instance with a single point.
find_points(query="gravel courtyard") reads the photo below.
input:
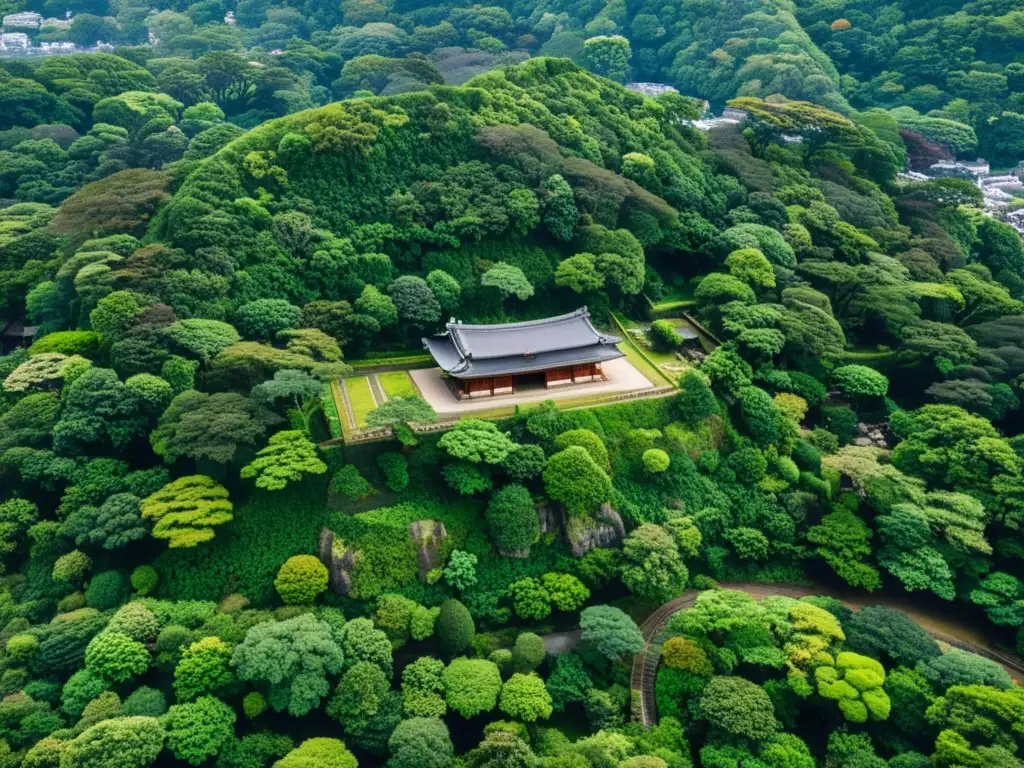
(622, 377)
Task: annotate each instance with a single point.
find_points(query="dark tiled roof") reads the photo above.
(471, 351)
(17, 329)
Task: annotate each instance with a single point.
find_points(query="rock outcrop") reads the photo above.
(427, 536)
(550, 522)
(604, 529)
(339, 560)
(871, 435)
(549, 518)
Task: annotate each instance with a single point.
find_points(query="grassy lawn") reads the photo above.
(678, 293)
(865, 354)
(670, 306)
(658, 357)
(641, 363)
(882, 360)
(413, 360)
(681, 298)
(659, 367)
(360, 398)
(332, 407)
(397, 384)
(624, 321)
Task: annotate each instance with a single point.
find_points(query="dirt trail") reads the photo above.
(945, 629)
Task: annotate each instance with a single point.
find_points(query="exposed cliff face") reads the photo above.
(428, 536)
(604, 529)
(339, 560)
(582, 534)
(872, 435)
(550, 520)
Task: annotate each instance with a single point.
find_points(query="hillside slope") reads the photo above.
(956, 61)
(401, 181)
(714, 50)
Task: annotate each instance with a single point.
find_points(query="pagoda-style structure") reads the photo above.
(16, 334)
(488, 360)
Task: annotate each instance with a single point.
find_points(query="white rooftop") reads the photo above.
(24, 19)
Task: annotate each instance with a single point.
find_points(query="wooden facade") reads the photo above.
(492, 386)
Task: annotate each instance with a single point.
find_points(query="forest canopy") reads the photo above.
(237, 532)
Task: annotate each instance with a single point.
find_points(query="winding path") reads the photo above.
(942, 628)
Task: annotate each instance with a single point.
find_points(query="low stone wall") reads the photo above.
(381, 433)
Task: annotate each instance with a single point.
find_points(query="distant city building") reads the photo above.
(1004, 180)
(23, 20)
(13, 41)
(960, 169)
(61, 47)
(998, 190)
(978, 167)
(998, 196)
(650, 89)
(729, 116)
(1016, 220)
(229, 18)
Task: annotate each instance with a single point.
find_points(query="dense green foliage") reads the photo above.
(194, 573)
(757, 669)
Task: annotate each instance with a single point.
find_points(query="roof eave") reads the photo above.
(521, 371)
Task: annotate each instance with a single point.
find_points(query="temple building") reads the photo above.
(16, 334)
(487, 360)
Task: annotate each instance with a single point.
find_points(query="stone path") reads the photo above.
(347, 415)
(376, 389)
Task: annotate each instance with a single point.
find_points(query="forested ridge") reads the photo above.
(205, 227)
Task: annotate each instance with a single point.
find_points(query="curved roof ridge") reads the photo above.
(602, 336)
(581, 312)
(562, 340)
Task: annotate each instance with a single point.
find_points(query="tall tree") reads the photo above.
(294, 657)
(288, 457)
(187, 510)
(205, 426)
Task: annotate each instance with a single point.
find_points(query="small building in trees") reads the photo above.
(488, 360)
(22, 20)
(17, 334)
